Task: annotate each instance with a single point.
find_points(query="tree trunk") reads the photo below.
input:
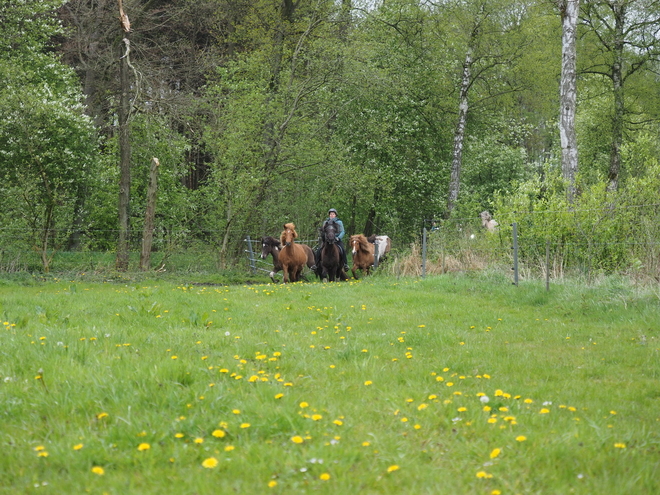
(124, 155)
(569, 10)
(619, 10)
(459, 135)
(149, 214)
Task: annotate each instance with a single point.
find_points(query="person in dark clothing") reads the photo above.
(332, 215)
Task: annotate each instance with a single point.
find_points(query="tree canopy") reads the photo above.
(262, 112)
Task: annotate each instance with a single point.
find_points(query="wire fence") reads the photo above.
(545, 245)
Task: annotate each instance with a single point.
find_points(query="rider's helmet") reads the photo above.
(332, 210)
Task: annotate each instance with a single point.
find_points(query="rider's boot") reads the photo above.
(317, 259)
(343, 259)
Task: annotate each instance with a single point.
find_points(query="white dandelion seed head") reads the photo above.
(484, 399)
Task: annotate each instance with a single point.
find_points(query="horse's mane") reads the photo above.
(363, 241)
(288, 226)
(331, 222)
(271, 241)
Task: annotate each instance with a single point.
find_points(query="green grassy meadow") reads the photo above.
(457, 384)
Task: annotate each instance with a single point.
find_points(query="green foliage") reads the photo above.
(47, 144)
(374, 383)
(601, 230)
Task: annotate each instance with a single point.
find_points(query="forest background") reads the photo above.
(397, 113)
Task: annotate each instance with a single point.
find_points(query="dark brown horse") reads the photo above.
(292, 256)
(270, 245)
(363, 254)
(331, 266)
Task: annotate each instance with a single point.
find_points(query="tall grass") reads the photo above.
(454, 384)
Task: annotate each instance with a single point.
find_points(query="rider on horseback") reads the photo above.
(332, 215)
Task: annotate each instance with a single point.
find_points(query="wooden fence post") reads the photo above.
(149, 215)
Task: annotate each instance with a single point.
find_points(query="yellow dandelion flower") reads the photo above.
(219, 433)
(272, 484)
(462, 409)
(144, 446)
(338, 422)
(229, 448)
(245, 425)
(102, 415)
(422, 407)
(98, 470)
(199, 440)
(303, 405)
(78, 446)
(483, 474)
(39, 448)
(392, 468)
(528, 401)
(368, 382)
(521, 438)
(495, 453)
(620, 445)
(544, 411)
(417, 427)
(179, 435)
(43, 453)
(439, 379)
(492, 420)
(297, 439)
(210, 463)
(279, 396)
(366, 444)
(324, 477)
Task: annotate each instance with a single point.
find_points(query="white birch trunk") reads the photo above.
(459, 135)
(569, 10)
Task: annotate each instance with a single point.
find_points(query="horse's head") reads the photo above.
(269, 245)
(289, 234)
(330, 231)
(355, 243)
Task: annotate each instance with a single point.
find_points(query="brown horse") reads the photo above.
(292, 256)
(270, 245)
(363, 254)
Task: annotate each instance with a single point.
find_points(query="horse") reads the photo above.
(487, 221)
(363, 254)
(383, 245)
(270, 245)
(292, 256)
(331, 266)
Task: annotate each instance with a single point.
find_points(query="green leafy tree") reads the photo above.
(47, 143)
